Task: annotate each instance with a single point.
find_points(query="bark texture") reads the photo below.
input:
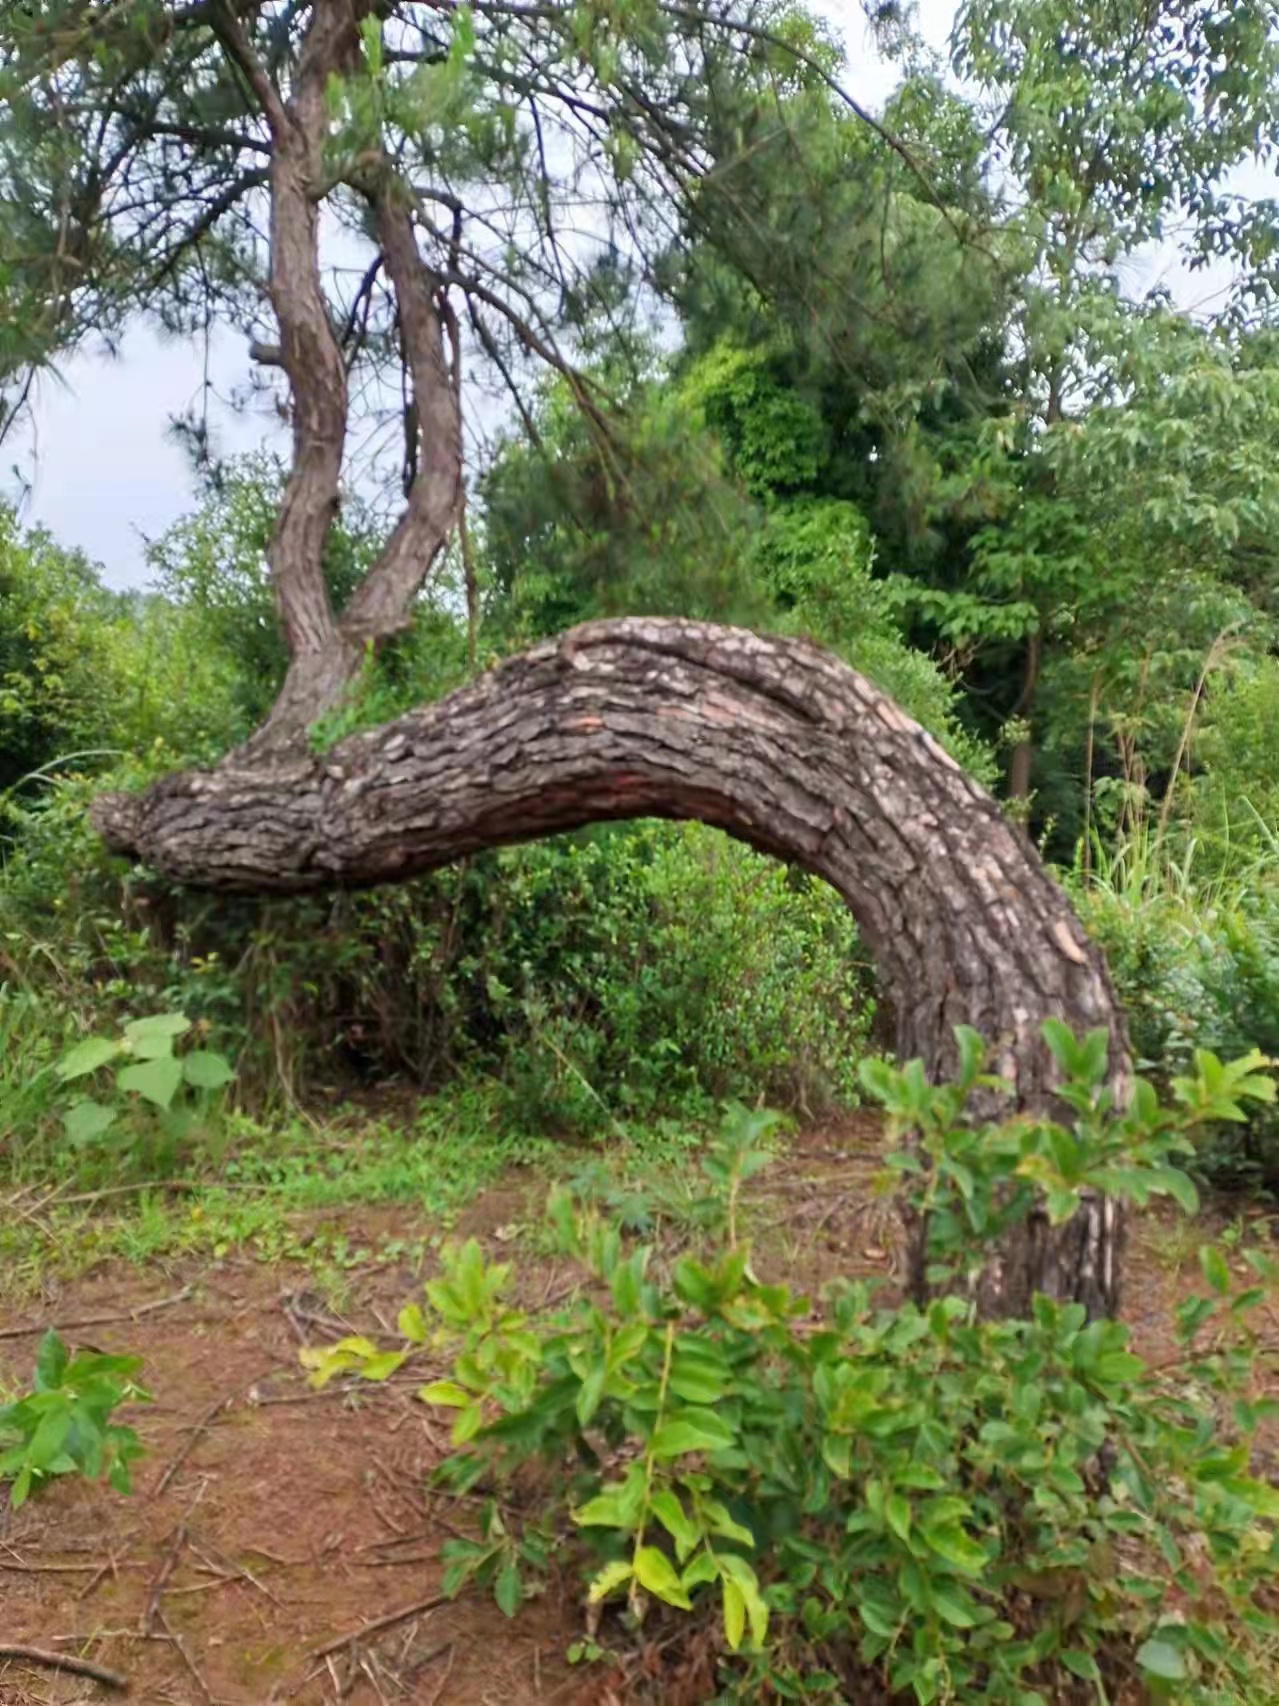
(326, 650)
(772, 740)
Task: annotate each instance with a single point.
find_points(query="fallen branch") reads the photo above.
(166, 1634)
(167, 1566)
(380, 1623)
(194, 1433)
(97, 1320)
(65, 1662)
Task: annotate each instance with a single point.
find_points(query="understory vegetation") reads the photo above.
(892, 388)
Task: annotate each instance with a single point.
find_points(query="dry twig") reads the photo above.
(97, 1320)
(379, 1623)
(167, 1567)
(194, 1432)
(65, 1662)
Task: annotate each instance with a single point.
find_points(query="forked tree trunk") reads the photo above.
(772, 740)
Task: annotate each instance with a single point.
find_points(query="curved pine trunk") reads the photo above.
(774, 741)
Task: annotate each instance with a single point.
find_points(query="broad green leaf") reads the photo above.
(1116, 1366)
(695, 1383)
(1215, 1270)
(1160, 1658)
(704, 1568)
(837, 1454)
(956, 1548)
(897, 1515)
(508, 1590)
(87, 1057)
(1178, 1185)
(668, 1510)
(382, 1365)
(47, 1441)
(447, 1393)
(51, 1362)
(952, 1609)
(722, 1523)
(590, 1393)
(87, 1120)
(654, 1571)
(606, 1510)
(876, 1619)
(143, 1035)
(740, 1573)
(1081, 1664)
(734, 1614)
(155, 1080)
(206, 1070)
(691, 1430)
(412, 1323)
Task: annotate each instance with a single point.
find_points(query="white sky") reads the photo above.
(107, 477)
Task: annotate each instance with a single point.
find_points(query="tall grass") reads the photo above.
(32, 1035)
(1190, 926)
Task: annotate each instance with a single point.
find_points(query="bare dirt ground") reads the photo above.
(281, 1544)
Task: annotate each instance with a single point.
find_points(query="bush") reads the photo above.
(604, 976)
(1195, 959)
(58, 683)
(884, 1500)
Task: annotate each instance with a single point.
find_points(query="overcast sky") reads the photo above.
(107, 475)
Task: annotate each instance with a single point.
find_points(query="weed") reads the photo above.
(63, 1425)
(152, 1090)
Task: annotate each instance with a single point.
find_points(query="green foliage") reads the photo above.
(63, 1425)
(607, 976)
(178, 1090)
(774, 438)
(865, 1496)
(1195, 956)
(640, 970)
(639, 519)
(211, 570)
(58, 676)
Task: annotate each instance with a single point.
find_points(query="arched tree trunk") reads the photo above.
(773, 740)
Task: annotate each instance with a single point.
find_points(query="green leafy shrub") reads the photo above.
(870, 1497)
(145, 1068)
(58, 682)
(610, 975)
(629, 971)
(1195, 959)
(63, 1425)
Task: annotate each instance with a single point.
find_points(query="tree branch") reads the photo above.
(225, 24)
(383, 601)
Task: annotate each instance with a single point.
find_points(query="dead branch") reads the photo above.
(168, 1564)
(65, 1328)
(419, 1609)
(194, 1432)
(65, 1662)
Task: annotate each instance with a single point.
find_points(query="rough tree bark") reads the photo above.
(773, 740)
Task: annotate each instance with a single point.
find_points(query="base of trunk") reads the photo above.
(1080, 1261)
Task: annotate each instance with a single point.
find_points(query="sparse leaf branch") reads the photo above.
(361, 305)
(226, 26)
(491, 349)
(189, 240)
